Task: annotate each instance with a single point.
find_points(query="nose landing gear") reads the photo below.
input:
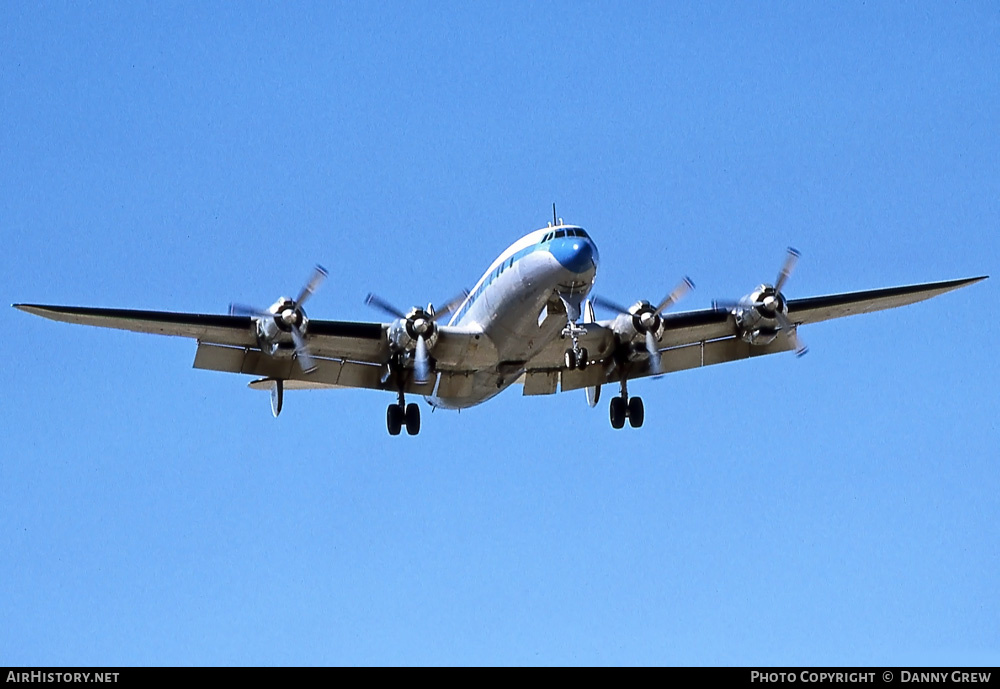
(576, 357)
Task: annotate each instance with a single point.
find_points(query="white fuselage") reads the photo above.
(523, 302)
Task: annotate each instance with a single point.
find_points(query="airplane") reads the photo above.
(529, 320)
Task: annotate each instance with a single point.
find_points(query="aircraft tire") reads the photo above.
(394, 419)
(636, 412)
(617, 412)
(412, 418)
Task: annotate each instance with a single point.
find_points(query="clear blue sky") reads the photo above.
(840, 508)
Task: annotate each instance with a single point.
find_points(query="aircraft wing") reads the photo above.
(702, 338)
(816, 309)
(709, 324)
(347, 354)
(362, 341)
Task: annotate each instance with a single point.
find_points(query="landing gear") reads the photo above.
(625, 407)
(618, 412)
(412, 418)
(636, 412)
(576, 357)
(394, 419)
(402, 414)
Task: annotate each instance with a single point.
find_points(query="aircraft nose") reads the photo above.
(574, 253)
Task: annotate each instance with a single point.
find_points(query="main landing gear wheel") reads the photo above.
(398, 415)
(394, 419)
(412, 418)
(618, 412)
(636, 412)
(627, 408)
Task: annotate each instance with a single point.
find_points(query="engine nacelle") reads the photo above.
(274, 334)
(404, 332)
(641, 318)
(281, 329)
(756, 315)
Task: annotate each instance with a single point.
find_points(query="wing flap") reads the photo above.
(541, 382)
(339, 373)
(676, 359)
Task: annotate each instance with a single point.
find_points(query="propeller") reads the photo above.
(771, 302)
(791, 258)
(381, 304)
(420, 325)
(647, 319)
(793, 334)
(289, 317)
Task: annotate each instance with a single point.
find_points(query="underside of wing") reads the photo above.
(816, 309)
(695, 326)
(231, 330)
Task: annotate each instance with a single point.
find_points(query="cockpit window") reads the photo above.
(568, 232)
